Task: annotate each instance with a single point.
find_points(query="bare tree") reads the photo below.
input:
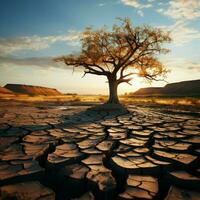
(121, 53)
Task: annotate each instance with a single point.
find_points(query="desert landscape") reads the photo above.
(99, 100)
(64, 147)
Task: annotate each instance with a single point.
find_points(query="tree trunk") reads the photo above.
(113, 97)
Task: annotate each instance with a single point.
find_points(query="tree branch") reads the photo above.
(125, 81)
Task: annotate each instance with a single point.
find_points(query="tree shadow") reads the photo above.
(94, 114)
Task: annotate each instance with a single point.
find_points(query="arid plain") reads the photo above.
(67, 149)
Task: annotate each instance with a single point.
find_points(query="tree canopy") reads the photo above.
(112, 53)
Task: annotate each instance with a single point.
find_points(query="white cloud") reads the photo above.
(10, 45)
(136, 4)
(101, 4)
(160, 10)
(140, 12)
(183, 9)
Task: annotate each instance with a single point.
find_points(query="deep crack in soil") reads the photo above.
(74, 152)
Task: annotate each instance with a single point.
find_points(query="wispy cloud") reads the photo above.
(193, 66)
(40, 62)
(160, 10)
(44, 62)
(182, 64)
(183, 9)
(138, 5)
(181, 33)
(140, 12)
(10, 45)
(101, 4)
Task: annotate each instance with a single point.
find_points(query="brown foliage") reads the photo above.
(111, 53)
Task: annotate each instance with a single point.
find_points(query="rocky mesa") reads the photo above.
(31, 90)
(184, 88)
(5, 91)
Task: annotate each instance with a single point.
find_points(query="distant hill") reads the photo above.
(184, 88)
(32, 90)
(148, 91)
(5, 91)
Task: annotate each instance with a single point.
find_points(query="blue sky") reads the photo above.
(34, 31)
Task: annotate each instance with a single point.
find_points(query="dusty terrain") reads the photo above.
(68, 151)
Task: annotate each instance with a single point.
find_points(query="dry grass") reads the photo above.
(61, 98)
(102, 99)
(162, 100)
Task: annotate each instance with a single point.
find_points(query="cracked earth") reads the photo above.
(72, 152)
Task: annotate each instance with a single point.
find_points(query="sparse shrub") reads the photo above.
(76, 99)
(102, 99)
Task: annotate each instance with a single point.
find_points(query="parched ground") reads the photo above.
(72, 152)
